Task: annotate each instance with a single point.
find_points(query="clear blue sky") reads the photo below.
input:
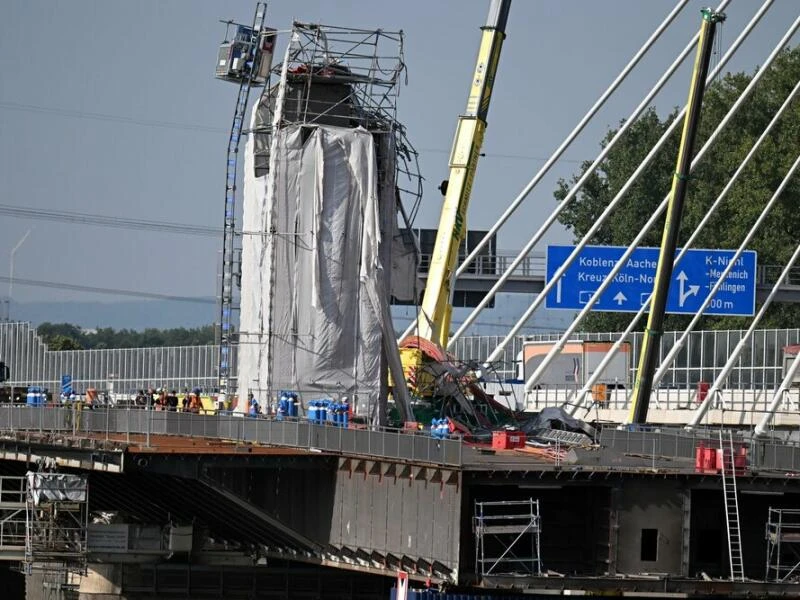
(152, 61)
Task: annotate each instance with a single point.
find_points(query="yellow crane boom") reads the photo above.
(434, 320)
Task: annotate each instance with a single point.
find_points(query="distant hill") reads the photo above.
(164, 314)
(159, 314)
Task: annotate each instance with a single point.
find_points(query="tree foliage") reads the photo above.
(65, 336)
(777, 238)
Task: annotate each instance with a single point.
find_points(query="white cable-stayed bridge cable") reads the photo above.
(643, 165)
(657, 213)
(551, 219)
(740, 346)
(557, 153)
(673, 352)
(587, 386)
(573, 134)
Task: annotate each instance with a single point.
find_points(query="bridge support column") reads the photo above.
(102, 582)
(47, 584)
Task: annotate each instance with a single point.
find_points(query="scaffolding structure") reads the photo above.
(783, 544)
(345, 81)
(345, 77)
(57, 521)
(44, 528)
(13, 524)
(507, 538)
(245, 61)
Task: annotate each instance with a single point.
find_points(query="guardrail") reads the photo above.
(292, 433)
(367, 442)
(671, 443)
(764, 454)
(535, 265)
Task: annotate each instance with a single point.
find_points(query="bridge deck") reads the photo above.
(136, 431)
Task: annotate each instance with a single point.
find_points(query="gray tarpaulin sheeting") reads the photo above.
(309, 320)
(51, 487)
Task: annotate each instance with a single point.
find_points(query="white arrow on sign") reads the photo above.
(620, 298)
(558, 290)
(684, 294)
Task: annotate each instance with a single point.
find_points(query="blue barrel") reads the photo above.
(312, 411)
(35, 396)
(322, 415)
(345, 413)
(440, 428)
(281, 412)
(292, 404)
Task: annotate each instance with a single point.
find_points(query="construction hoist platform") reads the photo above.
(245, 60)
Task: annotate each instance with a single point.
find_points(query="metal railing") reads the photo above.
(667, 443)
(32, 363)
(761, 365)
(291, 433)
(12, 516)
(535, 264)
(674, 443)
(659, 443)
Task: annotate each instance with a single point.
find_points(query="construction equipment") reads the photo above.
(434, 321)
(432, 328)
(246, 61)
(507, 537)
(642, 387)
(731, 496)
(783, 544)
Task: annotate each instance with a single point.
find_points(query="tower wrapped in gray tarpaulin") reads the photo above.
(320, 238)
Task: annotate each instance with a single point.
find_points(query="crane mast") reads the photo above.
(640, 398)
(433, 323)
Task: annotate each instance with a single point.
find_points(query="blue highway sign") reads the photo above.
(692, 280)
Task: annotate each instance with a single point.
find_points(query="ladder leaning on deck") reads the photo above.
(731, 507)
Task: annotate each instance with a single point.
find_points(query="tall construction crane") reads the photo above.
(432, 328)
(245, 60)
(642, 388)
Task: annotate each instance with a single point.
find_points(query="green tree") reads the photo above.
(58, 334)
(775, 240)
(65, 336)
(63, 342)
